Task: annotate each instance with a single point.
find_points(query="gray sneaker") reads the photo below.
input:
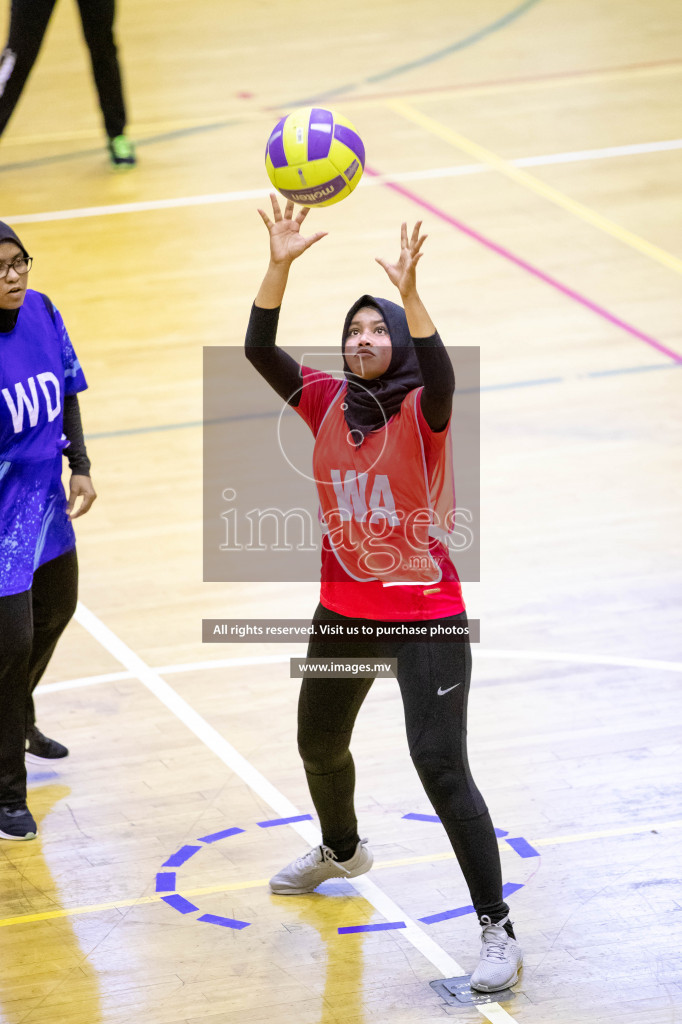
(501, 957)
(307, 872)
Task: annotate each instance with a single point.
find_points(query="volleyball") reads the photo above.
(314, 156)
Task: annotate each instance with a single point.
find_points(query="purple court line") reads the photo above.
(446, 915)
(224, 922)
(524, 265)
(41, 776)
(371, 927)
(179, 902)
(220, 835)
(412, 816)
(181, 856)
(523, 847)
(284, 821)
(165, 881)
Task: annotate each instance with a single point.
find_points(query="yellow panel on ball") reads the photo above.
(314, 156)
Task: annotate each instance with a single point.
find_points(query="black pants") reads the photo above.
(436, 733)
(28, 23)
(31, 623)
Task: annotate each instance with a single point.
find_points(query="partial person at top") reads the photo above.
(28, 23)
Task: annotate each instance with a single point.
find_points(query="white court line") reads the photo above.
(584, 659)
(258, 659)
(438, 172)
(274, 659)
(164, 670)
(282, 659)
(76, 684)
(441, 960)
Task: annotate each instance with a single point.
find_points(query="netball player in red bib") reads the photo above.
(382, 467)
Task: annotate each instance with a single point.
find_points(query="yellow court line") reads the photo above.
(93, 908)
(260, 883)
(522, 177)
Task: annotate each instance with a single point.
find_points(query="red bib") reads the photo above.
(381, 504)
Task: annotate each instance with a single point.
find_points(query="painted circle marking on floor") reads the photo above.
(166, 881)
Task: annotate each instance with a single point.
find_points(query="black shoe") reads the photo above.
(42, 750)
(17, 822)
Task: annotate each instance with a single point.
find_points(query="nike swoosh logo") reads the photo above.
(441, 693)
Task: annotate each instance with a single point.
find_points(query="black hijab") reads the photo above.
(371, 403)
(8, 317)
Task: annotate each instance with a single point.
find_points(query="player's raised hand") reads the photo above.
(403, 273)
(286, 240)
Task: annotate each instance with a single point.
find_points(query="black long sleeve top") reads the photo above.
(76, 453)
(283, 373)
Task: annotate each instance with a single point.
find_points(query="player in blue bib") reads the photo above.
(40, 378)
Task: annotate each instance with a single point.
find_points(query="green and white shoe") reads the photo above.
(122, 152)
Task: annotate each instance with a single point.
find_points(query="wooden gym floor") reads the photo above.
(540, 143)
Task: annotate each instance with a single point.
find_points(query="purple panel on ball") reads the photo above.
(275, 145)
(351, 139)
(316, 194)
(319, 133)
(351, 171)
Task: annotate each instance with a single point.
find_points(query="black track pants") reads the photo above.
(28, 23)
(31, 623)
(436, 733)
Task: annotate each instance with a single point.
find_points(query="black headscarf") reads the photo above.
(7, 235)
(8, 317)
(371, 403)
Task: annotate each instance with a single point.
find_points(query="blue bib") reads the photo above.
(38, 366)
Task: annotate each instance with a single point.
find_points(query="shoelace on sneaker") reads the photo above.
(310, 859)
(494, 943)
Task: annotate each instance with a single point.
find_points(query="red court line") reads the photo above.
(528, 267)
(552, 76)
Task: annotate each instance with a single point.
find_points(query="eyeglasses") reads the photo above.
(21, 265)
